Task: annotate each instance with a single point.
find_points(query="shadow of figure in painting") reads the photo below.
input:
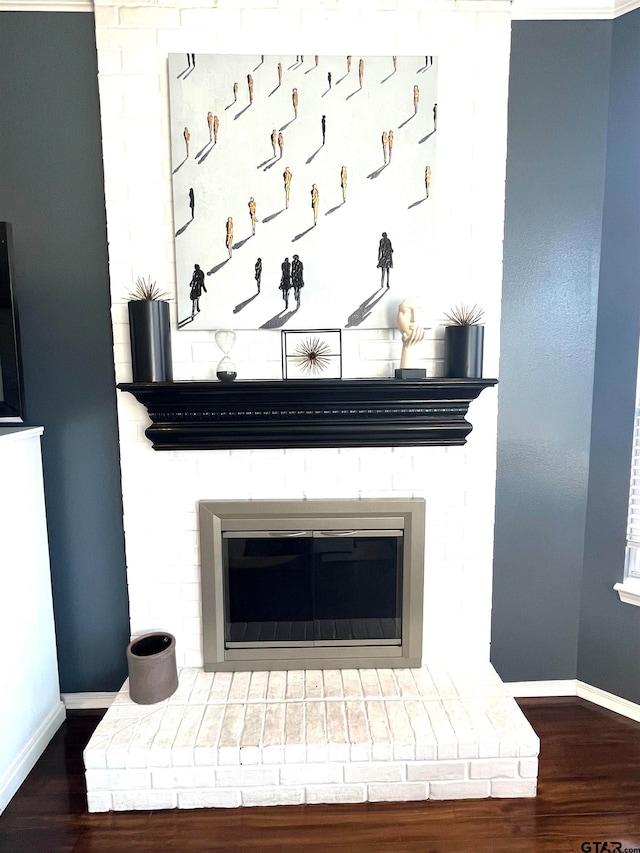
(241, 243)
(279, 320)
(244, 304)
(337, 207)
(302, 233)
(364, 309)
(377, 172)
(179, 165)
(424, 138)
(272, 216)
(219, 266)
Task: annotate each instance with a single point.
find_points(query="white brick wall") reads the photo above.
(161, 489)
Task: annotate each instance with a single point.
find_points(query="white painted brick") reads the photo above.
(381, 749)
(144, 800)
(528, 768)
(311, 774)
(205, 746)
(513, 788)
(332, 684)
(204, 680)
(295, 685)
(230, 734)
(273, 734)
(464, 790)
(370, 684)
(258, 686)
(338, 749)
(294, 737)
(220, 687)
(402, 736)
(95, 754)
(149, 16)
(118, 780)
(186, 680)
(372, 771)
(209, 799)
(252, 734)
(467, 740)
(313, 684)
(398, 792)
(440, 771)
(109, 62)
(279, 796)
(105, 16)
(358, 731)
(142, 62)
(446, 741)
(335, 794)
(183, 777)
(277, 685)
(119, 747)
(496, 769)
(209, 19)
(140, 38)
(98, 802)
(388, 684)
(238, 777)
(315, 732)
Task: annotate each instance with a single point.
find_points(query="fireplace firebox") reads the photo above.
(312, 583)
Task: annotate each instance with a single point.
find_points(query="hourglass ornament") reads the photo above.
(226, 370)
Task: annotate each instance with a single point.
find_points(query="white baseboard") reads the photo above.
(573, 687)
(522, 689)
(86, 701)
(33, 749)
(608, 701)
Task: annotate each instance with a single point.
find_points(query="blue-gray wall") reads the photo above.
(609, 647)
(51, 189)
(568, 354)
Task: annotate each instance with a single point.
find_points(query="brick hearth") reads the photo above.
(281, 738)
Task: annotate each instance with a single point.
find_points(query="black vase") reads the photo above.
(463, 347)
(150, 332)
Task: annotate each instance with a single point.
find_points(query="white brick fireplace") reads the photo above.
(161, 489)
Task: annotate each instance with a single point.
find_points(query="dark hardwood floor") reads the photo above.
(589, 791)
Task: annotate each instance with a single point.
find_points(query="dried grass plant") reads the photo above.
(464, 315)
(146, 290)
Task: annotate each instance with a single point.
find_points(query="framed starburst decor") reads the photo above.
(312, 354)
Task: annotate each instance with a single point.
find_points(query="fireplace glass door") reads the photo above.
(312, 588)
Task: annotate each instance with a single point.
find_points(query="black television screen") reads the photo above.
(11, 399)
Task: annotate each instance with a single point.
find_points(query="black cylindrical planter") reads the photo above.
(153, 674)
(463, 346)
(150, 332)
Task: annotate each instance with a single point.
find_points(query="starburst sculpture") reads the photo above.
(312, 355)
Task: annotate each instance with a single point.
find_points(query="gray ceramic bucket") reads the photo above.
(153, 675)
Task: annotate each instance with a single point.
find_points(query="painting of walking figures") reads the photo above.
(303, 188)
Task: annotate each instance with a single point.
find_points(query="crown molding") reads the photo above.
(521, 10)
(624, 6)
(569, 10)
(46, 6)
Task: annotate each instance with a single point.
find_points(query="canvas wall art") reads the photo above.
(303, 188)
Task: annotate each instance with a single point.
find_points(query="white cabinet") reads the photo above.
(31, 710)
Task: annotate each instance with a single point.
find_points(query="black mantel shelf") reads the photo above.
(307, 412)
